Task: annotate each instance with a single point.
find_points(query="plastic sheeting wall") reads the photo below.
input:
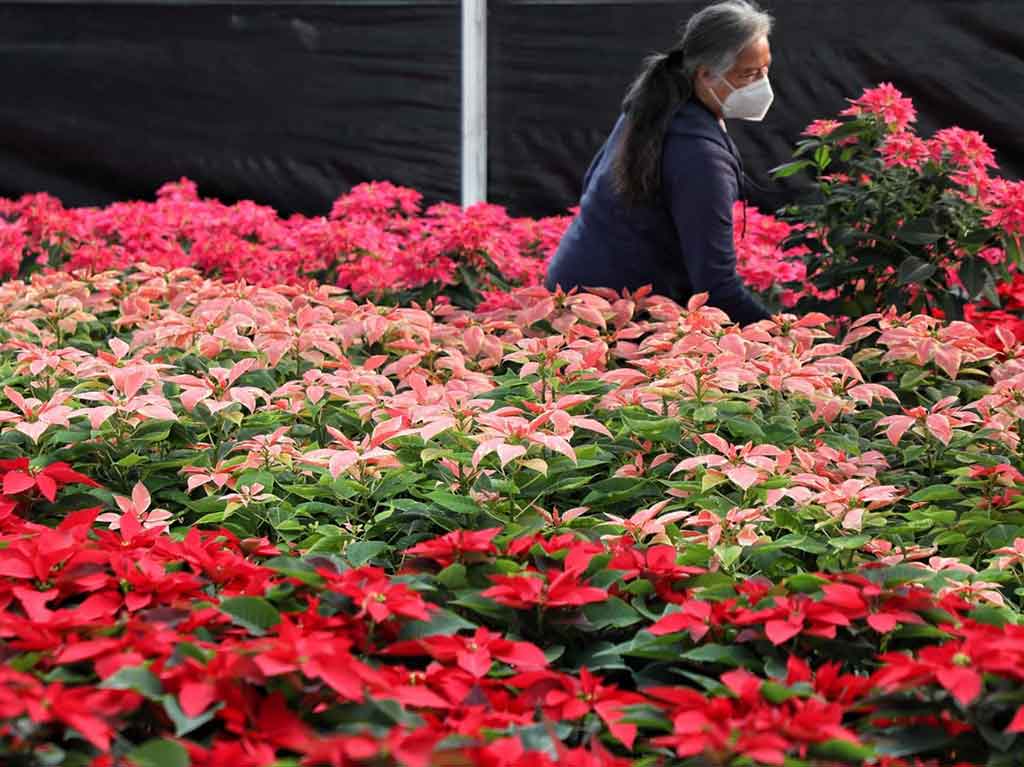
(291, 103)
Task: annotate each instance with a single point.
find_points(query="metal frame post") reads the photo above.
(474, 101)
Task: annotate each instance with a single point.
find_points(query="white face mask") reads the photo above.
(751, 102)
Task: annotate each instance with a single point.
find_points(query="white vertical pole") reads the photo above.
(474, 101)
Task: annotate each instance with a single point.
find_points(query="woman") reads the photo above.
(658, 197)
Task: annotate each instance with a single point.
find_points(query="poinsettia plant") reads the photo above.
(895, 219)
(274, 523)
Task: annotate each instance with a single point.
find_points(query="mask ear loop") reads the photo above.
(721, 104)
(743, 174)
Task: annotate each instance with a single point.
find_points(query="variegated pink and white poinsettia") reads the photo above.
(261, 366)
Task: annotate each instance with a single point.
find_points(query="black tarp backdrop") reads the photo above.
(292, 103)
(288, 104)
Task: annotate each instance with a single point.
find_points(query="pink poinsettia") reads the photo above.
(36, 416)
(887, 104)
(138, 507)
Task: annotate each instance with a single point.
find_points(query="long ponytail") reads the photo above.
(648, 105)
(712, 38)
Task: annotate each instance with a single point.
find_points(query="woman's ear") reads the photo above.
(705, 79)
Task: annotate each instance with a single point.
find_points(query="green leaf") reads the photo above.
(733, 407)
(655, 429)
(459, 504)
(914, 271)
(254, 614)
(851, 128)
(1012, 246)
(251, 477)
(805, 583)
(189, 650)
(453, 577)
(725, 655)
(213, 519)
(913, 378)
(728, 555)
(705, 413)
(615, 490)
(644, 645)
(472, 600)
(743, 428)
(990, 615)
(897, 574)
(429, 454)
(183, 723)
(935, 493)
(152, 431)
(293, 567)
(309, 492)
(850, 542)
(972, 274)
(53, 756)
(442, 622)
(711, 480)
(998, 739)
(912, 740)
(361, 552)
(822, 157)
(778, 693)
(601, 655)
(790, 168)
(612, 613)
(25, 662)
(160, 753)
(990, 292)
(137, 678)
(919, 231)
(132, 459)
(605, 579)
(919, 631)
(843, 750)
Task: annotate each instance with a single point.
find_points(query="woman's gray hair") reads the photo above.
(715, 36)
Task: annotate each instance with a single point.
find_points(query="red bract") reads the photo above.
(659, 563)
(18, 478)
(691, 617)
(546, 590)
(375, 594)
(746, 725)
(458, 545)
(781, 617)
(474, 654)
(886, 103)
(564, 697)
(90, 712)
(958, 666)
(828, 681)
(377, 236)
(510, 752)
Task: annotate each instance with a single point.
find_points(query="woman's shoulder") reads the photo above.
(694, 121)
(696, 147)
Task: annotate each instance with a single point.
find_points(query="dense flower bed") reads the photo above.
(276, 526)
(378, 243)
(356, 490)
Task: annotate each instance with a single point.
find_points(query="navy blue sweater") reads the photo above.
(682, 246)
